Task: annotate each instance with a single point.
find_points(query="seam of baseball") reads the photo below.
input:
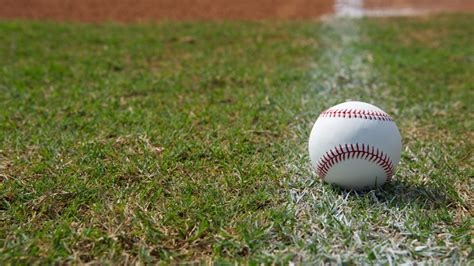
(356, 113)
(364, 151)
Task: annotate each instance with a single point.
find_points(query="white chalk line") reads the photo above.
(310, 201)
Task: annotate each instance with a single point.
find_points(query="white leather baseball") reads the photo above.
(355, 145)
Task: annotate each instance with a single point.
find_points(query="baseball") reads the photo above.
(355, 145)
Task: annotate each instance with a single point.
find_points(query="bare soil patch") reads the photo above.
(153, 10)
(429, 5)
(149, 10)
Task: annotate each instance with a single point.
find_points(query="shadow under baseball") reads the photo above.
(402, 193)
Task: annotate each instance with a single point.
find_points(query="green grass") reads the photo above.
(187, 141)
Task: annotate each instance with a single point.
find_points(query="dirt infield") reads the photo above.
(431, 5)
(144, 10)
(150, 10)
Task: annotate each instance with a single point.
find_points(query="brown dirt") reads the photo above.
(152, 10)
(146, 10)
(430, 5)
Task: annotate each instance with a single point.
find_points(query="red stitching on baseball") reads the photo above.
(354, 113)
(349, 151)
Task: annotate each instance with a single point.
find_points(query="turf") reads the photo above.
(187, 141)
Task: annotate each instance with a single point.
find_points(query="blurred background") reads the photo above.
(152, 10)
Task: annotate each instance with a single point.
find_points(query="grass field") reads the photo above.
(188, 141)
